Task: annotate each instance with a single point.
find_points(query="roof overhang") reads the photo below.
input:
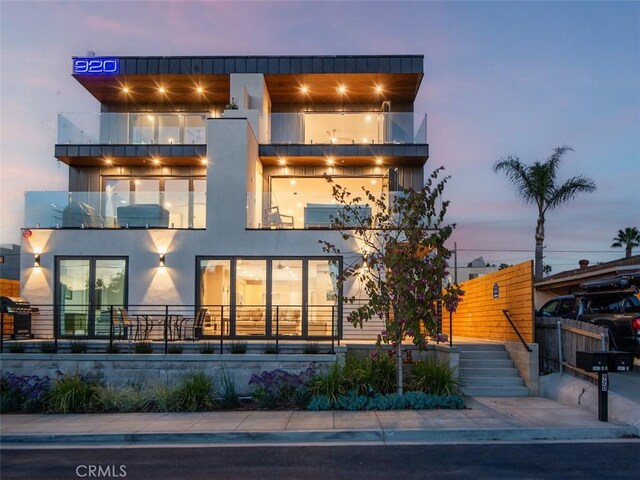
(365, 78)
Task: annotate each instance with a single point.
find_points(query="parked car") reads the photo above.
(612, 302)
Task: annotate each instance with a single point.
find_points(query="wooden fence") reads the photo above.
(575, 336)
(479, 314)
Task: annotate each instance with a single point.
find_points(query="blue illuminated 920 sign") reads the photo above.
(96, 65)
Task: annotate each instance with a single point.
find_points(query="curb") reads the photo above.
(330, 436)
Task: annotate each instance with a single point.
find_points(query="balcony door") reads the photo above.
(86, 288)
(265, 297)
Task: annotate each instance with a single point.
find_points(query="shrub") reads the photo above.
(17, 348)
(352, 401)
(271, 349)
(332, 384)
(195, 392)
(122, 399)
(433, 377)
(279, 387)
(48, 347)
(392, 401)
(22, 392)
(238, 347)
(143, 347)
(311, 348)
(320, 402)
(229, 397)
(161, 397)
(175, 349)
(370, 374)
(71, 394)
(206, 348)
(78, 346)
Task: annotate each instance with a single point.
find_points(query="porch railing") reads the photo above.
(178, 210)
(132, 128)
(167, 324)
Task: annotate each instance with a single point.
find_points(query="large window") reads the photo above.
(270, 296)
(86, 289)
(307, 202)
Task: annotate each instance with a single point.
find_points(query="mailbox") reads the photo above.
(620, 361)
(593, 361)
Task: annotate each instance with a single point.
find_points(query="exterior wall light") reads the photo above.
(36, 260)
(162, 256)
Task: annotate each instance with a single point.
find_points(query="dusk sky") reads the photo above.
(500, 78)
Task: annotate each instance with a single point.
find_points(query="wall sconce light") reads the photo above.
(162, 255)
(36, 260)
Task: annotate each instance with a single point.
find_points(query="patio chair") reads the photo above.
(197, 328)
(274, 219)
(125, 325)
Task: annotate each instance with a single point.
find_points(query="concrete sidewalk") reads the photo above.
(485, 419)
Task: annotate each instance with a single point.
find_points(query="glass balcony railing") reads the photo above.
(348, 128)
(132, 128)
(115, 210)
(305, 210)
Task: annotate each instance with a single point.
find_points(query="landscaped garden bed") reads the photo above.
(362, 383)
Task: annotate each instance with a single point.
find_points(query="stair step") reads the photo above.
(496, 392)
(481, 346)
(489, 372)
(492, 382)
(508, 363)
(484, 355)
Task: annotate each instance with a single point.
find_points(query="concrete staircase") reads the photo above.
(487, 371)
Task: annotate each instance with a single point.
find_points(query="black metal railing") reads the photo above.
(515, 329)
(165, 324)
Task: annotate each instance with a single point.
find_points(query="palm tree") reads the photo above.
(536, 183)
(628, 238)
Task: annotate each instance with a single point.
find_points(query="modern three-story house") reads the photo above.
(200, 183)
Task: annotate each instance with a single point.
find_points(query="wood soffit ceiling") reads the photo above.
(359, 161)
(100, 161)
(181, 89)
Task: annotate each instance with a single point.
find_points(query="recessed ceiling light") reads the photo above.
(125, 90)
(162, 90)
(304, 89)
(379, 89)
(329, 160)
(204, 161)
(200, 90)
(378, 160)
(282, 162)
(342, 89)
(156, 161)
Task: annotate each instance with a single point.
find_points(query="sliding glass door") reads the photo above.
(86, 288)
(281, 296)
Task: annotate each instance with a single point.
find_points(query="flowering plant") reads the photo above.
(280, 386)
(22, 392)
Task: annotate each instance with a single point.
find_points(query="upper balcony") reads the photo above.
(348, 128)
(399, 137)
(177, 138)
(113, 209)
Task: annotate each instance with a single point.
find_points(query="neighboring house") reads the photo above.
(569, 281)
(475, 269)
(9, 270)
(200, 184)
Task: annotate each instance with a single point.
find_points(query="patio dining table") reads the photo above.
(172, 322)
